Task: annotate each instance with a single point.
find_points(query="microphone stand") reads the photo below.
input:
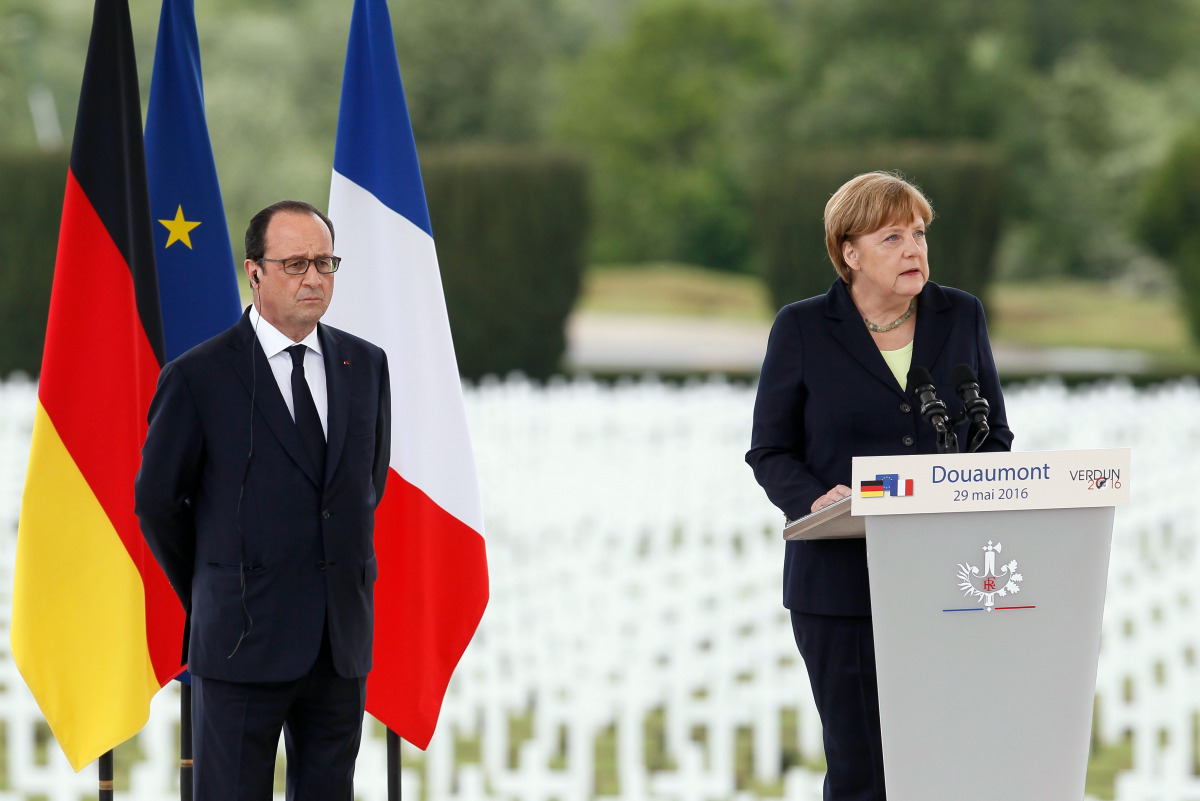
(947, 440)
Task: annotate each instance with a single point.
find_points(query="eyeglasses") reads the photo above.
(299, 265)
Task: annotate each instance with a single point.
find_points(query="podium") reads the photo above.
(988, 574)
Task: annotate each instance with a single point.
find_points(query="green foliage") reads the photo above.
(963, 181)
(1139, 38)
(1079, 152)
(1168, 221)
(477, 69)
(473, 70)
(30, 209)
(271, 101)
(878, 70)
(657, 110)
(1062, 87)
(672, 102)
(29, 75)
(510, 226)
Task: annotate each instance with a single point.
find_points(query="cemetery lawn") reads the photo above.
(673, 290)
(1104, 763)
(1062, 313)
(1050, 313)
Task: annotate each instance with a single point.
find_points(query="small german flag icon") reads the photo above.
(871, 489)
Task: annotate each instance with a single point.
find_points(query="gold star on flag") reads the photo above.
(179, 228)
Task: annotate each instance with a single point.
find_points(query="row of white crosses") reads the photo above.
(635, 646)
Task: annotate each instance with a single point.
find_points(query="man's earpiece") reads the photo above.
(254, 276)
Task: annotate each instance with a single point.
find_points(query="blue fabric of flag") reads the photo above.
(375, 147)
(197, 277)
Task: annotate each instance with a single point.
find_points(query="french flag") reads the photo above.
(433, 580)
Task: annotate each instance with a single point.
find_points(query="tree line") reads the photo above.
(685, 111)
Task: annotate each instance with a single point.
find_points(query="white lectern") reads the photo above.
(988, 575)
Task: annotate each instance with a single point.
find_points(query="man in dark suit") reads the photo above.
(265, 459)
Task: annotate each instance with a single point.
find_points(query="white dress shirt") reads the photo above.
(275, 345)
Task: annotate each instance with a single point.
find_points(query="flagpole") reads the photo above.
(106, 776)
(393, 765)
(185, 742)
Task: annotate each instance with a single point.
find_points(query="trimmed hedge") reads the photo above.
(964, 182)
(30, 211)
(511, 226)
(1168, 220)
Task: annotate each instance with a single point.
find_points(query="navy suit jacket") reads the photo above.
(214, 515)
(825, 395)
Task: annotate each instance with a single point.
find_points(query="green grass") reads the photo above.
(1085, 314)
(1104, 763)
(1103, 766)
(673, 290)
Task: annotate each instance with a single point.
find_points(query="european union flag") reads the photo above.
(197, 277)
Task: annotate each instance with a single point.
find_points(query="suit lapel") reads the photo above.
(849, 332)
(337, 382)
(934, 322)
(267, 398)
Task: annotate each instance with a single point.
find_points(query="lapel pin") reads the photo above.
(347, 362)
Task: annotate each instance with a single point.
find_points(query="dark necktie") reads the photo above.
(308, 422)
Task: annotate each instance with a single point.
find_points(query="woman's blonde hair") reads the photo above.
(867, 203)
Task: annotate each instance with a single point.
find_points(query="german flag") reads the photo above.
(96, 628)
(871, 489)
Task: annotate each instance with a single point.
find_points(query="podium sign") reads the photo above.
(975, 482)
(987, 612)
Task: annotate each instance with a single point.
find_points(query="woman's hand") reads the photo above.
(835, 494)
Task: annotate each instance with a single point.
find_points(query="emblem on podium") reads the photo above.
(989, 582)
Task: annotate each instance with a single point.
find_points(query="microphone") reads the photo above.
(933, 409)
(975, 406)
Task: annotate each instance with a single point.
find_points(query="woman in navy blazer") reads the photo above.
(832, 387)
